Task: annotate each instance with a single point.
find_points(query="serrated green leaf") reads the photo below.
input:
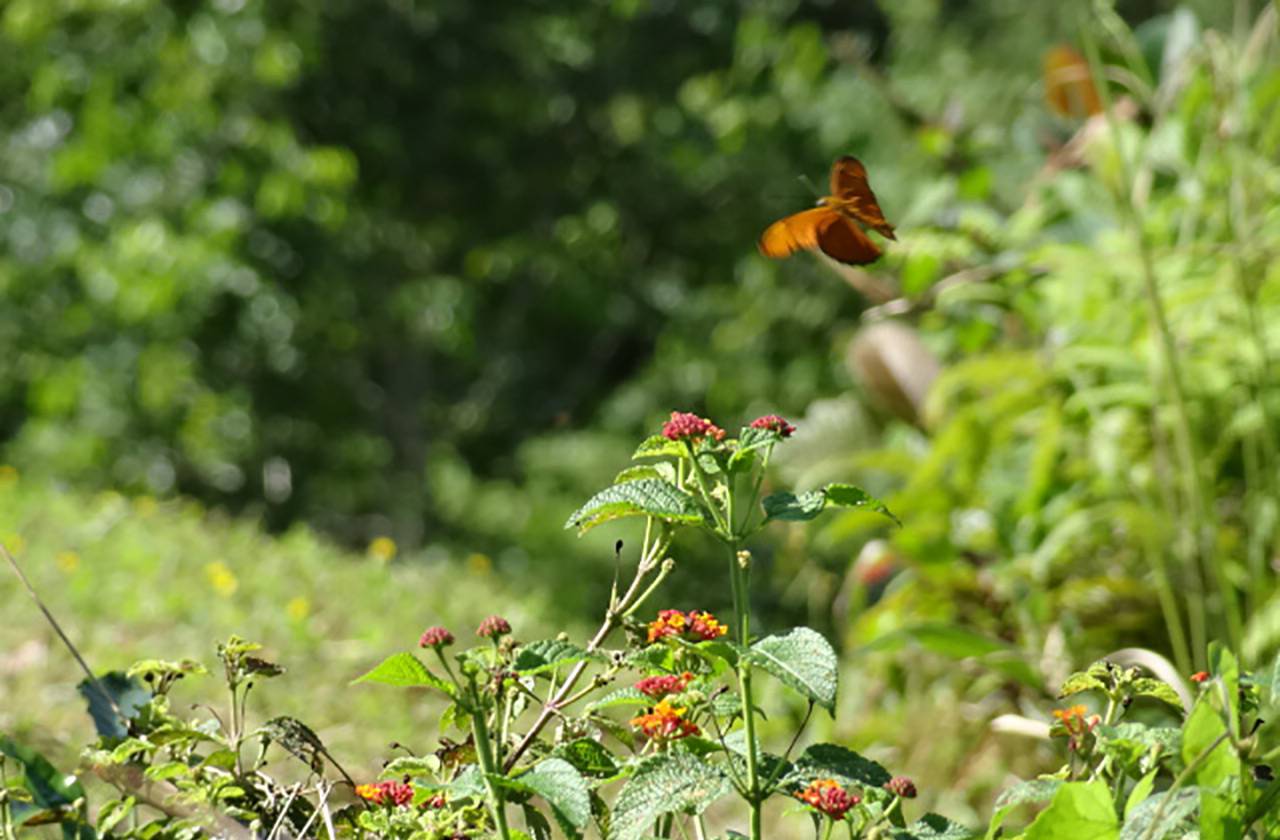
(629, 696)
(1079, 811)
(832, 761)
(664, 784)
(405, 670)
(562, 786)
(546, 655)
(640, 471)
(803, 660)
(658, 446)
(751, 440)
(1148, 687)
(588, 756)
(1135, 745)
(643, 497)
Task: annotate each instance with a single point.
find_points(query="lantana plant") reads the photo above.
(540, 717)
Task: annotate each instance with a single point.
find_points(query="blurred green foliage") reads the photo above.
(425, 269)
(304, 260)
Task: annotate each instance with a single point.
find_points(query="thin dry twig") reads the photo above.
(57, 628)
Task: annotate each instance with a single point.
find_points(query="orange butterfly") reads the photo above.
(833, 226)
(1068, 86)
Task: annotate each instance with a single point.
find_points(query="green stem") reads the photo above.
(755, 491)
(1169, 608)
(741, 578)
(1202, 537)
(6, 819)
(1178, 782)
(488, 766)
(701, 479)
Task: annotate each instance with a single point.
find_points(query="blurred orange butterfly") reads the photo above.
(833, 226)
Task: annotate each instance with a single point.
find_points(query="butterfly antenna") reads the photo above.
(813, 188)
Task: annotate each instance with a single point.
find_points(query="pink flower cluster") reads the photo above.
(901, 786)
(774, 423)
(435, 637)
(492, 627)
(690, 427)
(664, 684)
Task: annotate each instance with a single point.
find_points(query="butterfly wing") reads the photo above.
(821, 228)
(1068, 86)
(849, 186)
(844, 241)
(793, 233)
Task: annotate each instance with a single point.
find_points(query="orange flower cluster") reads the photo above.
(1078, 723)
(386, 793)
(665, 722)
(829, 797)
(700, 626)
(664, 684)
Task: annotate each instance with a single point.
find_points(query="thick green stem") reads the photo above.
(488, 765)
(1178, 782)
(740, 576)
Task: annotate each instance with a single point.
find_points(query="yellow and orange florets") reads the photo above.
(696, 625)
(830, 797)
(665, 722)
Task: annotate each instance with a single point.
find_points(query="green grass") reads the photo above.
(134, 578)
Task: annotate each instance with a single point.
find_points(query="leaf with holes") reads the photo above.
(665, 784)
(1162, 691)
(642, 497)
(803, 660)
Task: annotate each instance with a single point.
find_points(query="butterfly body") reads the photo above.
(834, 226)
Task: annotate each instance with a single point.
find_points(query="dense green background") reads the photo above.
(427, 270)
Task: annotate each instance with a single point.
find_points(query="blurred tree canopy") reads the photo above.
(312, 260)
